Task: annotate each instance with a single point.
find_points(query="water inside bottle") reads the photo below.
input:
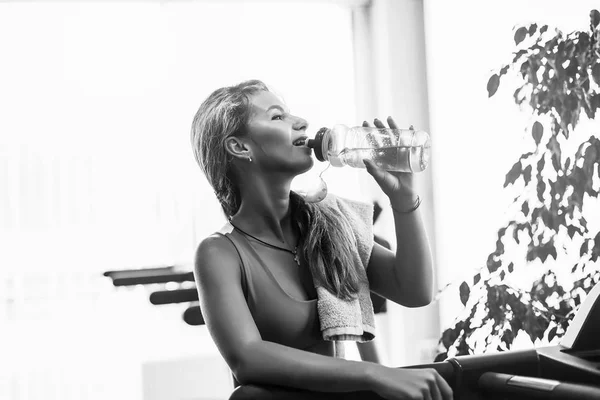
(392, 158)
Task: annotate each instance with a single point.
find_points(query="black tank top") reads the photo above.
(280, 318)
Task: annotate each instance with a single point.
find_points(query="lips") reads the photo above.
(300, 141)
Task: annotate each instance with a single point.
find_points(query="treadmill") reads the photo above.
(568, 371)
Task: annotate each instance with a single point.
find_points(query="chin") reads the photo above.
(308, 165)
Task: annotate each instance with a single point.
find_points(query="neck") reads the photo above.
(265, 208)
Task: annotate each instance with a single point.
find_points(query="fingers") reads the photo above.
(378, 123)
(390, 121)
(436, 394)
(431, 390)
(444, 387)
(375, 171)
(389, 182)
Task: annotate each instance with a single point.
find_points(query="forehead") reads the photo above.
(261, 101)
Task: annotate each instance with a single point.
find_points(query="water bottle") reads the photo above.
(403, 150)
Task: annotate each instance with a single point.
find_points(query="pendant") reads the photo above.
(295, 253)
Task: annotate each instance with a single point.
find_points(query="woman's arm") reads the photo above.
(405, 277)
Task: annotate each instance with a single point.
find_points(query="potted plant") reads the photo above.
(557, 182)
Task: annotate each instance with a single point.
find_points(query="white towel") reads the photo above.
(350, 320)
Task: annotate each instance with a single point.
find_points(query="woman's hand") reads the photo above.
(411, 384)
(398, 186)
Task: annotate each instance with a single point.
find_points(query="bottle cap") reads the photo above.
(317, 143)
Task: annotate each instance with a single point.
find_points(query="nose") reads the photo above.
(300, 124)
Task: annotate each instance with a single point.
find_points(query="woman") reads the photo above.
(256, 277)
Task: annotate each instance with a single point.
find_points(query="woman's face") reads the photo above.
(273, 132)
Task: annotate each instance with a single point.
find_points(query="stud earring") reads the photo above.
(249, 159)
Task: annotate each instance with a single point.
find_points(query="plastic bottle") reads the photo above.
(404, 150)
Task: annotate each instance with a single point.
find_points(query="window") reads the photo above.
(97, 102)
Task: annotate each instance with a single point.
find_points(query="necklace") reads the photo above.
(293, 252)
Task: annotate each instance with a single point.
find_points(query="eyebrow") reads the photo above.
(277, 107)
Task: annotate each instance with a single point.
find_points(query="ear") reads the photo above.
(237, 148)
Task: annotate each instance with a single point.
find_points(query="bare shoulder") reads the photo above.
(216, 255)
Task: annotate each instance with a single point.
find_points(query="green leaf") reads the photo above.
(542, 325)
(502, 232)
(513, 174)
(517, 322)
(525, 156)
(518, 55)
(596, 73)
(554, 147)
(594, 18)
(552, 333)
(596, 248)
(527, 174)
(492, 85)
(525, 68)
(511, 267)
(547, 217)
(463, 349)
(492, 264)
(537, 131)
(476, 279)
(556, 161)
(536, 214)
(583, 249)
(508, 337)
(532, 29)
(525, 209)
(516, 234)
(583, 42)
(595, 101)
(516, 94)
(540, 165)
(541, 188)
(499, 246)
(543, 29)
(520, 35)
(465, 291)
(449, 337)
(572, 230)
